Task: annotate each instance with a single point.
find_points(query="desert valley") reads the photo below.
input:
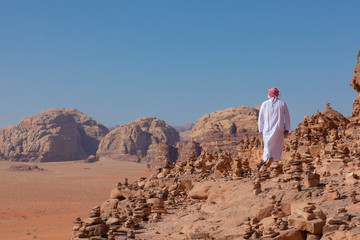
(66, 176)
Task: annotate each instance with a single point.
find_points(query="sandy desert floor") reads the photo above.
(44, 204)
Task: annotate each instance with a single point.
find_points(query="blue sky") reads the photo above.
(177, 60)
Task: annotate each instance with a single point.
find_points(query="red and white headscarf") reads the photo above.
(273, 94)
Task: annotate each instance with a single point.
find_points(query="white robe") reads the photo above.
(274, 119)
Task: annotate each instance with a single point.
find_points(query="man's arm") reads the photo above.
(286, 120)
(261, 119)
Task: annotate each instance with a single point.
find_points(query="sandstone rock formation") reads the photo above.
(355, 83)
(354, 126)
(311, 194)
(184, 149)
(56, 134)
(25, 168)
(207, 197)
(138, 140)
(222, 130)
(184, 131)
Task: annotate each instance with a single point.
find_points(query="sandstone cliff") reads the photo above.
(353, 130)
(56, 134)
(310, 194)
(184, 131)
(138, 140)
(222, 130)
(355, 81)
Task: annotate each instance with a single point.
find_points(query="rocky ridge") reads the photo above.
(184, 131)
(311, 194)
(56, 134)
(222, 130)
(138, 141)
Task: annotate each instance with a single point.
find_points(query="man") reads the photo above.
(274, 124)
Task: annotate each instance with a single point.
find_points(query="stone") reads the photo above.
(56, 134)
(338, 220)
(116, 194)
(138, 140)
(330, 228)
(355, 83)
(222, 130)
(313, 237)
(184, 150)
(156, 201)
(199, 235)
(290, 234)
(96, 230)
(312, 180)
(320, 214)
(201, 190)
(93, 220)
(313, 226)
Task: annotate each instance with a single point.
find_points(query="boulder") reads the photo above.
(201, 190)
(314, 226)
(312, 180)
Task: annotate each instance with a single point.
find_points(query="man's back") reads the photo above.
(273, 116)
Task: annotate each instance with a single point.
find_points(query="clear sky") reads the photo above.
(176, 60)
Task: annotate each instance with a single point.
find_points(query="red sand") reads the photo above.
(44, 204)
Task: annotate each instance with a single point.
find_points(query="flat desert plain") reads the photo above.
(44, 204)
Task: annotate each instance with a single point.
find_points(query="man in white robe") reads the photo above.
(274, 124)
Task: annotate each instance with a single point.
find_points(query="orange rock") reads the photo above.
(313, 226)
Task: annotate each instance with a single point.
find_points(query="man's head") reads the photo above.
(273, 93)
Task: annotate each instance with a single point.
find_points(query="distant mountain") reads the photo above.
(143, 140)
(184, 128)
(56, 134)
(184, 131)
(113, 127)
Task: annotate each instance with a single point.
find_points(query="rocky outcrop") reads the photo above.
(138, 141)
(184, 128)
(312, 134)
(184, 131)
(185, 149)
(312, 193)
(354, 127)
(355, 81)
(56, 134)
(285, 201)
(91, 131)
(222, 130)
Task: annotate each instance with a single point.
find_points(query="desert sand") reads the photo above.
(44, 204)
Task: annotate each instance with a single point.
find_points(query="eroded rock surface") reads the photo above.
(354, 126)
(222, 130)
(184, 131)
(138, 141)
(56, 134)
(312, 193)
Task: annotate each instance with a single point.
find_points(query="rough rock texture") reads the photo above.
(56, 134)
(354, 126)
(24, 168)
(222, 130)
(138, 140)
(185, 149)
(355, 81)
(184, 131)
(215, 196)
(312, 193)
